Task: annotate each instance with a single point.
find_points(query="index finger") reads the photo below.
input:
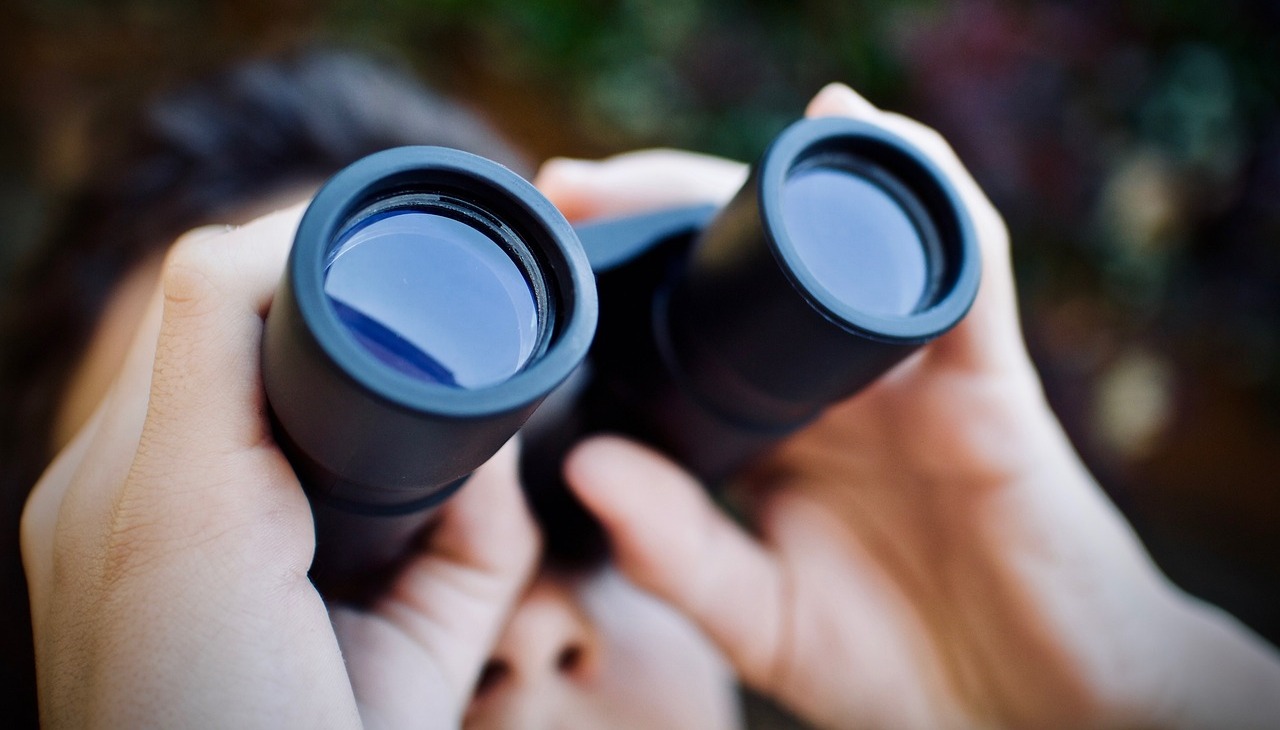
(638, 182)
(99, 459)
(989, 338)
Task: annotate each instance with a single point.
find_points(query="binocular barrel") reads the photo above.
(433, 299)
(845, 251)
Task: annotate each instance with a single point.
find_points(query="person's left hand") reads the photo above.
(167, 547)
(930, 552)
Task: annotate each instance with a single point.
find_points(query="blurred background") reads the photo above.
(1133, 146)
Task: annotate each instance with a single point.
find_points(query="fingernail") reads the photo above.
(568, 169)
(206, 231)
(837, 98)
(600, 461)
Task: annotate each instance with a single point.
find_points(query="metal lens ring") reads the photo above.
(439, 289)
(446, 254)
(868, 228)
(863, 233)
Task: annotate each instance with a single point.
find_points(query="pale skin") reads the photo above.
(930, 554)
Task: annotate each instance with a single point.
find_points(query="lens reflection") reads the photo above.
(856, 240)
(434, 298)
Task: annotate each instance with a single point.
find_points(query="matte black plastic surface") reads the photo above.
(370, 440)
(715, 340)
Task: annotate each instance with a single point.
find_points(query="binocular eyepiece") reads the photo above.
(434, 299)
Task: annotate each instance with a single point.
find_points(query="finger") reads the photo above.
(670, 539)
(147, 430)
(205, 387)
(135, 604)
(40, 515)
(99, 456)
(451, 602)
(638, 182)
(205, 394)
(989, 337)
(838, 100)
(206, 469)
(488, 526)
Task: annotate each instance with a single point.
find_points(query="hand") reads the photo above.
(167, 546)
(930, 553)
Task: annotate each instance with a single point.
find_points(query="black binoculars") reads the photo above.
(434, 300)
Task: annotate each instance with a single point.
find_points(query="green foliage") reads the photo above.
(720, 76)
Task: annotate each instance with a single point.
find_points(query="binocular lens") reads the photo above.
(431, 301)
(858, 233)
(437, 291)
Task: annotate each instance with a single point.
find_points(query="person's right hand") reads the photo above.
(167, 547)
(931, 553)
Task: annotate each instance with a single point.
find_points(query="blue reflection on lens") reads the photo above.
(855, 240)
(434, 298)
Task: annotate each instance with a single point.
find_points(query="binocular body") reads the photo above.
(720, 330)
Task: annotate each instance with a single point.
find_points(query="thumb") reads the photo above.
(670, 539)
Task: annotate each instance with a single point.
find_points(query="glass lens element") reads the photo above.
(434, 298)
(855, 240)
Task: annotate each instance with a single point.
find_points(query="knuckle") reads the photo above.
(922, 135)
(209, 514)
(133, 543)
(995, 225)
(932, 136)
(993, 232)
(192, 272)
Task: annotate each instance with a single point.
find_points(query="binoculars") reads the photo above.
(433, 300)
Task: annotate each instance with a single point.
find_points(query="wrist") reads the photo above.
(1220, 673)
(1204, 668)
